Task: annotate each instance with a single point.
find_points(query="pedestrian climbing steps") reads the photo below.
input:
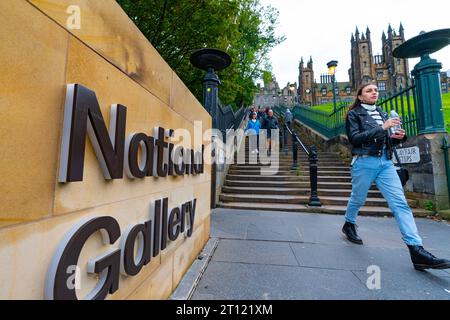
(277, 187)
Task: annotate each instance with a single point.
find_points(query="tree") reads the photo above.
(242, 28)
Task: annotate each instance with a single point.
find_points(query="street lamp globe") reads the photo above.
(332, 72)
(332, 67)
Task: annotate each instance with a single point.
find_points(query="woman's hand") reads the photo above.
(391, 123)
(399, 134)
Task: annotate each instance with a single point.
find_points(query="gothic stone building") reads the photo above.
(312, 93)
(307, 86)
(271, 95)
(387, 72)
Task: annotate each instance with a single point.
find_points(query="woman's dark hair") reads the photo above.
(357, 102)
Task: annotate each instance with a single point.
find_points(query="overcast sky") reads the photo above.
(323, 28)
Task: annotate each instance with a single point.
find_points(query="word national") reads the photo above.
(114, 152)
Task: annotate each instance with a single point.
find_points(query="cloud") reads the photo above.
(322, 29)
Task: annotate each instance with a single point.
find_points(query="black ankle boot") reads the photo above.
(349, 229)
(422, 259)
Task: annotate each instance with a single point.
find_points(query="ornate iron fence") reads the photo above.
(332, 124)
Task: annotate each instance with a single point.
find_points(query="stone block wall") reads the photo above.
(40, 55)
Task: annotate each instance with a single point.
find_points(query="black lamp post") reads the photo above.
(211, 60)
(426, 73)
(308, 91)
(291, 101)
(332, 72)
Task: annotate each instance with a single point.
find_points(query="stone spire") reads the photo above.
(389, 31)
(310, 63)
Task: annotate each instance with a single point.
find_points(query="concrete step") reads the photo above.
(303, 156)
(288, 163)
(284, 171)
(287, 177)
(293, 191)
(283, 155)
(291, 184)
(286, 167)
(257, 173)
(296, 199)
(326, 209)
(324, 154)
(325, 173)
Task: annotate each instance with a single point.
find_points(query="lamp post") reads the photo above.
(427, 77)
(210, 60)
(332, 72)
(308, 91)
(292, 95)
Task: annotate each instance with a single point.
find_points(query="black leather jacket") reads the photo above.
(366, 136)
(270, 123)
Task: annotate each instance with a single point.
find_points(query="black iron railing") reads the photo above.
(227, 119)
(311, 152)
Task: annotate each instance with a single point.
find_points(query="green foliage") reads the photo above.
(429, 205)
(326, 107)
(242, 28)
(267, 77)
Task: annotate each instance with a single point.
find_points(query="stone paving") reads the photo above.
(274, 255)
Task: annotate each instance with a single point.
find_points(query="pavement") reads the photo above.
(263, 255)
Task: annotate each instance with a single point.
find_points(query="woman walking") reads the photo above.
(367, 129)
(253, 127)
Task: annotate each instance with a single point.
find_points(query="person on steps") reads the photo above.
(270, 123)
(252, 129)
(288, 118)
(367, 129)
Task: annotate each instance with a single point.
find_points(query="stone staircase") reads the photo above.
(246, 187)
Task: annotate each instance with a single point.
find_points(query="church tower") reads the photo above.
(398, 69)
(306, 88)
(362, 66)
(363, 69)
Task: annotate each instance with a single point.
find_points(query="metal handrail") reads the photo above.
(294, 135)
(314, 200)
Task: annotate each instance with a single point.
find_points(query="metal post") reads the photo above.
(430, 114)
(213, 174)
(294, 152)
(209, 60)
(445, 147)
(314, 200)
(334, 93)
(211, 94)
(285, 139)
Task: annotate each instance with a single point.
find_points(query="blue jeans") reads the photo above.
(366, 170)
